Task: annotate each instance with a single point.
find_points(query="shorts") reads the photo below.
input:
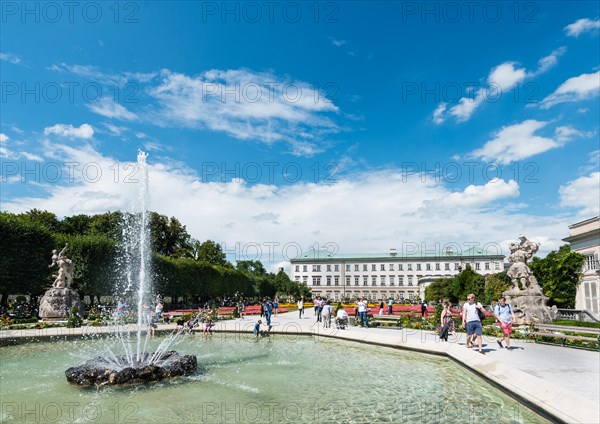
(506, 327)
(474, 327)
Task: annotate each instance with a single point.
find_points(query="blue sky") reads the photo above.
(365, 125)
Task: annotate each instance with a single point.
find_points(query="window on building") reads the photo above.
(297, 278)
(304, 268)
(477, 265)
(391, 267)
(437, 267)
(373, 267)
(347, 267)
(316, 268)
(328, 281)
(447, 266)
(365, 281)
(383, 267)
(374, 280)
(418, 267)
(336, 268)
(400, 280)
(336, 280)
(328, 268)
(305, 279)
(392, 280)
(399, 267)
(409, 267)
(316, 281)
(410, 281)
(356, 268)
(356, 279)
(297, 268)
(347, 280)
(428, 266)
(497, 266)
(383, 280)
(487, 265)
(365, 267)
(456, 266)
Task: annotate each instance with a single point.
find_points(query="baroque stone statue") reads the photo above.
(64, 278)
(60, 298)
(525, 295)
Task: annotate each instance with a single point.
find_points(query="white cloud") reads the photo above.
(582, 25)
(85, 131)
(109, 108)
(4, 138)
(582, 87)
(247, 106)
(394, 208)
(115, 129)
(518, 141)
(6, 153)
(584, 193)
(501, 79)
(338, 43)
(10, 58)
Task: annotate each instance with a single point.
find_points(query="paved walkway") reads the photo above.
(564, 382)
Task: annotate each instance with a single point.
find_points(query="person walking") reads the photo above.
(300, 308)
(447, 322)
(275, 304)
(326, 314)
(362, 312)
(423, 309)
(381, 307)
(471, 321)
(504, 314)
(390, 306)
(268, 312)
(319, 308)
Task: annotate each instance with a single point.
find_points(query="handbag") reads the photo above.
(480, 314)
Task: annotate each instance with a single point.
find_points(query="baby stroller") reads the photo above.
(341, 323)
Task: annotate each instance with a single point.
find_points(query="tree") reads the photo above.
(169, 236)
(495, 285)
(26, 247)
(46, 219)
(211, 252)
(558, 274)
(253, 268)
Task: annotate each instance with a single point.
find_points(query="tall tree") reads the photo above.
(558, 274)
(211, 252)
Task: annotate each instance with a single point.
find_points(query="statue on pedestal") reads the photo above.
(60, 298)
(64, 278)
(525, 295)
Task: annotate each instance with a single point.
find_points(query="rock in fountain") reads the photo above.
(137, 367)
(528, 302)
(101, 371)
(57, 302)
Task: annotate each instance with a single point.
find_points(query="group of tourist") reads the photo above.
(472, 317)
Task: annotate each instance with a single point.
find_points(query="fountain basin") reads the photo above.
(101, 371)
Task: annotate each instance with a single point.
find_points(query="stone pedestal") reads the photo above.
(530, 308)
(57, 302)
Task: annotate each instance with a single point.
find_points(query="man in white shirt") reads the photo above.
(362, 312)
(470, 320)
(342, 318)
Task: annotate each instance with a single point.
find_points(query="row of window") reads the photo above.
(390, 267)
(383, 280)
(368, 295)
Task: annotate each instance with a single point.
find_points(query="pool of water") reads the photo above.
(244, 380)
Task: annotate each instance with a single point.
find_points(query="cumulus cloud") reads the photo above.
(395, 208)
(501, 79)
(582, 25)
(85, 131)
(519, 141)
(7, 153)
(575, 89)
(248, 106)
(584, 193)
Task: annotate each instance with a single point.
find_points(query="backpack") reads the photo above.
(480, 314)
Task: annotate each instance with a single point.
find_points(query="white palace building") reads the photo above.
(382, 275)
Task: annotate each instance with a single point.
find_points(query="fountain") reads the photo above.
(141, 366)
